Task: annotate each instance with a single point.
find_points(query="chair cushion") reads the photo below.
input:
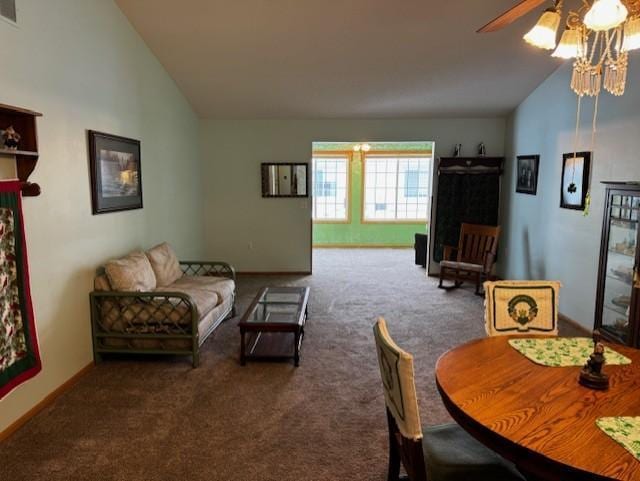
(165, 264)
(132, 273)
(451, 454)
(465, 266)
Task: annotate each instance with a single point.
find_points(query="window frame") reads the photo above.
(348, 156)
(395, 154)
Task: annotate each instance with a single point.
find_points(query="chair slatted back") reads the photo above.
(476, 241)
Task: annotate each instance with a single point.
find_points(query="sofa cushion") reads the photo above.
(204, 295)
(165, 264)
(131, 273)
(223, 286)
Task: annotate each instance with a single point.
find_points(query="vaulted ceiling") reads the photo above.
(341, 58)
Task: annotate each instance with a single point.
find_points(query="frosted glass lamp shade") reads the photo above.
(543, 34)
(605, 15)
(631, 34)
(570, 45)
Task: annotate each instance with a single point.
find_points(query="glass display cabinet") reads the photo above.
(618, 279)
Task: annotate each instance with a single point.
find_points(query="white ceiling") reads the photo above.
(341, 58)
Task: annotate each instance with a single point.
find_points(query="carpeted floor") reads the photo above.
(139, 419)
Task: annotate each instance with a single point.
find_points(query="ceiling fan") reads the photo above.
(514, 13)
(598, 35)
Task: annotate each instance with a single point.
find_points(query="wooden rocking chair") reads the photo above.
(476, 253)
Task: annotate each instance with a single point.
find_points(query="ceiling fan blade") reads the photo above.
(511, 15)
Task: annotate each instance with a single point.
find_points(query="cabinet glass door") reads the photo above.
(620, 262)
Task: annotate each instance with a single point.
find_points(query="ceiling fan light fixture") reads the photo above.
(570, 45)
(631, 34)
(543, 34)
(605, 15)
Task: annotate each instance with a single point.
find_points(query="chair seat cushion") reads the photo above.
(451, 454)
(465, 266)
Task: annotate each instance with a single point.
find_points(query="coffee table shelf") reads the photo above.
(275, 318)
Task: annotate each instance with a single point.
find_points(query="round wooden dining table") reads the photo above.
(540, 417)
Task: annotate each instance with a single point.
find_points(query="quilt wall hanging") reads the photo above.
(19, 354)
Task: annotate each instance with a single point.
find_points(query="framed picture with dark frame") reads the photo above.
(527, 174)
(116, 176)
(575, 180)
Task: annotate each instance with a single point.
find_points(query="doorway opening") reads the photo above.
(370, 194)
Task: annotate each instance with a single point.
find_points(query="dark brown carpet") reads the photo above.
(139, 419)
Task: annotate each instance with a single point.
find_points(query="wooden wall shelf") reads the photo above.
(24, 122)
(22, 153)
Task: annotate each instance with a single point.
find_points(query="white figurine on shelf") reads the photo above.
(10, 138)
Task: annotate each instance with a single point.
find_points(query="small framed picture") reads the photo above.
(116, 178)
(527, 174)
(575, 180)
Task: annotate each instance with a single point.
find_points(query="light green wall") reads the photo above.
(540, 240)
(262, 234)
(356, 232)
(82, 65)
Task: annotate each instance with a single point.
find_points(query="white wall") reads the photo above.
(541, 240)
(279, 229)
(82, 65)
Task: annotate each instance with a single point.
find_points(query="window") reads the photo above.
(397, 188)
(330, 188)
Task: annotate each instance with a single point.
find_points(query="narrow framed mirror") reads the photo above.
(285, 180)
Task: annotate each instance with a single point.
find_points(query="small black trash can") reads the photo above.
(420, 246)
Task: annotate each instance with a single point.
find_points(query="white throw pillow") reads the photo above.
(132, 273)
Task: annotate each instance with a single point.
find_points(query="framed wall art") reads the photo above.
(575, 180)
(116, 177)
(527, 174)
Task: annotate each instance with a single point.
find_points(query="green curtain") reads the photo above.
(469, 198)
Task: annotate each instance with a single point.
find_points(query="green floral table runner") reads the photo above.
(623, 430)
(563, 351)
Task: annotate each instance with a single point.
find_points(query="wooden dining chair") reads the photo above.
(514, 307)
(439, 453)
(474, 256)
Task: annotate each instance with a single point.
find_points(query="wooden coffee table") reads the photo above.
(275, 314)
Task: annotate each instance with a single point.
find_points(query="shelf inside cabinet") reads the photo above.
(615, 334)
(616, 309)
(612, 251)
(620, 279)
(26, 155)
